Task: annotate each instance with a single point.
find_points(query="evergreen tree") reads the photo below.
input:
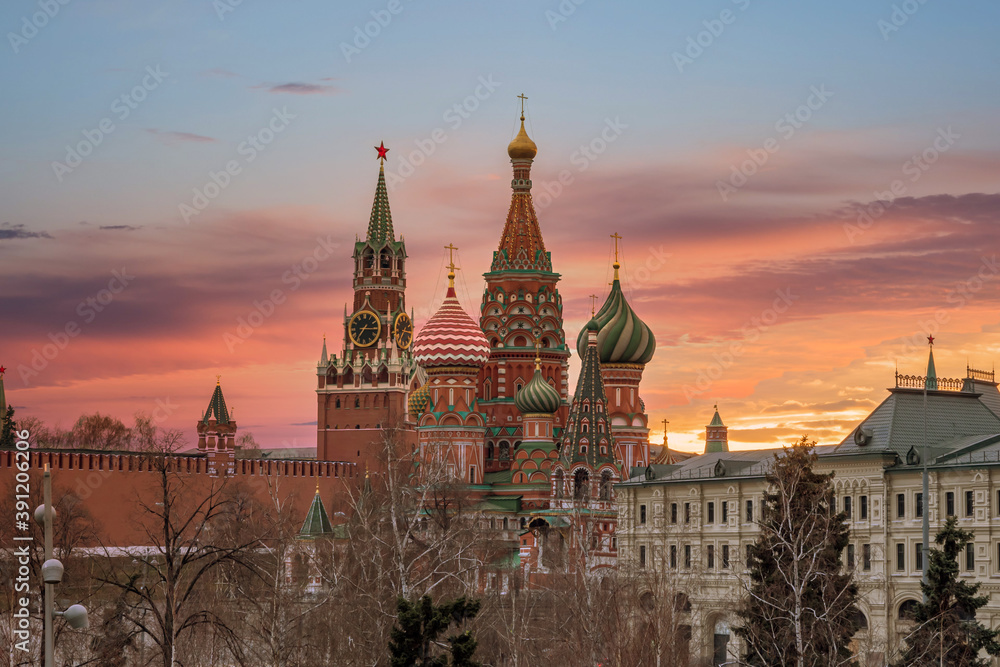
(799, 604)
(8, 428)
(946, 628)
(414, 640)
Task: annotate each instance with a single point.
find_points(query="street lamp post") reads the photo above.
(52, 573)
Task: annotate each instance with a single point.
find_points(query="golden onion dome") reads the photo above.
(522, 147)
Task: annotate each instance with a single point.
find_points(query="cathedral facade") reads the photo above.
(488, 397)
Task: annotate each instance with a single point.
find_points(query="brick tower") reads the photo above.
(364, 389)
(521, 305)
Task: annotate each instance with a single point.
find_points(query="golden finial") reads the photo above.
(317, 486)
(538, 355)
(593, 304)
(616, 265)
(522, 147)
(218, 380)
(451, 264)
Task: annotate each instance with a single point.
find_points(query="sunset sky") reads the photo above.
(740, 147)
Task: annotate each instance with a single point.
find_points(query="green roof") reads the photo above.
(716, 420)
(217, 407)
(317, 523)
(380, 222)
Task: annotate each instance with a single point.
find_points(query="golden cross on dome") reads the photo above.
(617, 238)
(665, 422)
(522, 98)
(451, 257)
(593, 303)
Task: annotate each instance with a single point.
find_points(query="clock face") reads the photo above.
(364, 328)
(403, 331)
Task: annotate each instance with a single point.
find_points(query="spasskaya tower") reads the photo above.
(364, 390)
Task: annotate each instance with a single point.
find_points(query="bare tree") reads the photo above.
(185, 522)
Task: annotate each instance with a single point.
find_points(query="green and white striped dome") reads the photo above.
(537, 396)
(622, 338)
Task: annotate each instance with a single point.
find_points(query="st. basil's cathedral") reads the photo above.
(490, 400)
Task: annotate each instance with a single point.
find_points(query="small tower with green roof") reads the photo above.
(716, 435)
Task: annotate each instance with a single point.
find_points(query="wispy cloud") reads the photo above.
(119, 228)
(220, 73)
(9, 231)
(297, 88)
(170, 137)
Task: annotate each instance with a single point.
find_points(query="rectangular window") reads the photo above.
(687, 555)
(725, 511)
(687, 512)
(918, 556)
(710, 551)
(833, 503)
(749, 511)
(848, 506)
(642, 556)
(746, 563)
(725, 556)
(850, 556)
(711, 513)
(642, 514)
(949, 503)
(673, 512)
(998, 556)
(673, 555)
(472, 474)
(863, 508)
(970, 556)
(918, 501)
(900, 505)
(900, 557)
(969, 504)
(866, 556)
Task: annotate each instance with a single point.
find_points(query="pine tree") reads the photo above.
(946, 628)
(419, 625)
(8, 428)
(799, 604)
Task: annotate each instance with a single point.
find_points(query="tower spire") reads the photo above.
(380, 223)
(930, 382)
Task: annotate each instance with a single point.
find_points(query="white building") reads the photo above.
(694, 520)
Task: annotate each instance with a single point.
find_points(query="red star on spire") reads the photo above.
(2, 370)
(930, 340)
(382, 150)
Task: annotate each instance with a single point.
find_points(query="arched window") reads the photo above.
(505, 451)
(338, 402)
(357, 401)
(605, 483)
(585, 427)
(489, 451)
(377, 401)
(581, 484)
(586, 406)
(559, 480)
(859, 619)
(908, 610)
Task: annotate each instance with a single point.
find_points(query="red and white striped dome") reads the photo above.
(451, 338)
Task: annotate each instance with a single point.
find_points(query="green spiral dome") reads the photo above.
(537, 396)
(622, 338)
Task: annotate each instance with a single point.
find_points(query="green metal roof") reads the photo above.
(380, 223)
(317, 523)
(217, 407)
